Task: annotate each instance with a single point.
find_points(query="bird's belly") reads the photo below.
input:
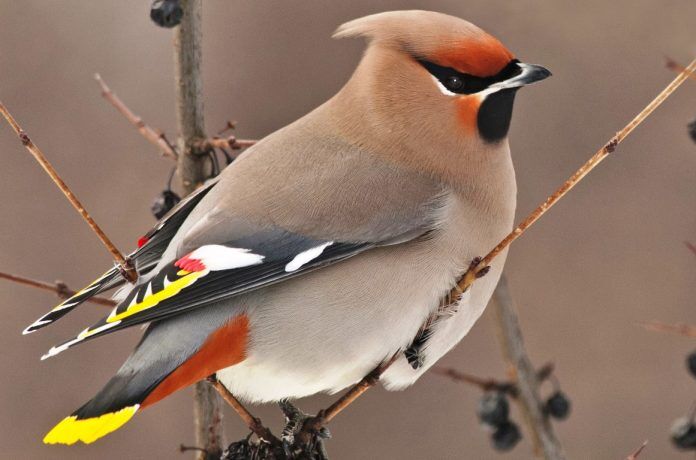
(313, 334)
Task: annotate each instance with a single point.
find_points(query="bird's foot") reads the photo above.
(304, 435)
(473, 268)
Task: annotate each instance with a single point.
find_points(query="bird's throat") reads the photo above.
(494, 114)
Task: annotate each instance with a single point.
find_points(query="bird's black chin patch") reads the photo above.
(494, 115)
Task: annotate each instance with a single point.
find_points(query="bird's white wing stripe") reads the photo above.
(218, 257)
(80, 337)
(306, 256)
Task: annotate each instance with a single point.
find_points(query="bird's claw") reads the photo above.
(480, 273)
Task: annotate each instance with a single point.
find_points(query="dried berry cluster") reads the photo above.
(494, 414)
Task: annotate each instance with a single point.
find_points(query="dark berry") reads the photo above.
(691, 363)
(692, 130)
(558, 406)
(506, 436)
(684, 433)
(163, 203)
(166, 13)
(493, 409)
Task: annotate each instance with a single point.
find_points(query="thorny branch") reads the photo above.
(158, 139)
(60, 288)
(126, 267)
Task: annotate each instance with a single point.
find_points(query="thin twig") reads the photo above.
(523, 374)
(691, 246)
(543, 373)
(685, 330)
(357, 390)
(229, 126)
(60, 288)
(637, 452)
(230, 142)
(675, 66)
(314, 424)
(252, 422)
(470, 276)
(156, 138)
(126, 268)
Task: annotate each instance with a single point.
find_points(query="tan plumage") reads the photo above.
(406, 168)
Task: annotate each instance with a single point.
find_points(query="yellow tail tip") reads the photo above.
(71, 429)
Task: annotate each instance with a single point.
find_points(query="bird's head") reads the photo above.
(430, 72)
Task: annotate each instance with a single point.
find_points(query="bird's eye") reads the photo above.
(454, 83)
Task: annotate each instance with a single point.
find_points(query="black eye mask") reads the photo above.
(462, 83)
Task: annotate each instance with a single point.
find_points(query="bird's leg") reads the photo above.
(308, 441)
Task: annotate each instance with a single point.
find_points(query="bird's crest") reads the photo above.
(445, 40)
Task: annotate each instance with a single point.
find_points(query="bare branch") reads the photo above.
(637, 452)
(314, 424)
(357, 390)
(60, 288)
(229, 142)
(126, 268)
(156, 138)
(671, 64)
(685, 330)
(188, 41)
(522, 372)
(470, 276)
(252, 422)
(510, 388)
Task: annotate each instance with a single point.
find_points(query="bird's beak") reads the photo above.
(528, 73)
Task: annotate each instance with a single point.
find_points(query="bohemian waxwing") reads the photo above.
(323, 249)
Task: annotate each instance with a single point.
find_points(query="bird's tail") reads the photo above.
(74, 428)
(110, 409)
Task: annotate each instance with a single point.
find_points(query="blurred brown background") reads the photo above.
(607, 257)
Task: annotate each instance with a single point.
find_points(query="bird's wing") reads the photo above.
(214, 272)
(145, 258)
(292, 203)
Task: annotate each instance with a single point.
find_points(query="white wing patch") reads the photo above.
(306, 256)
(217, 257)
